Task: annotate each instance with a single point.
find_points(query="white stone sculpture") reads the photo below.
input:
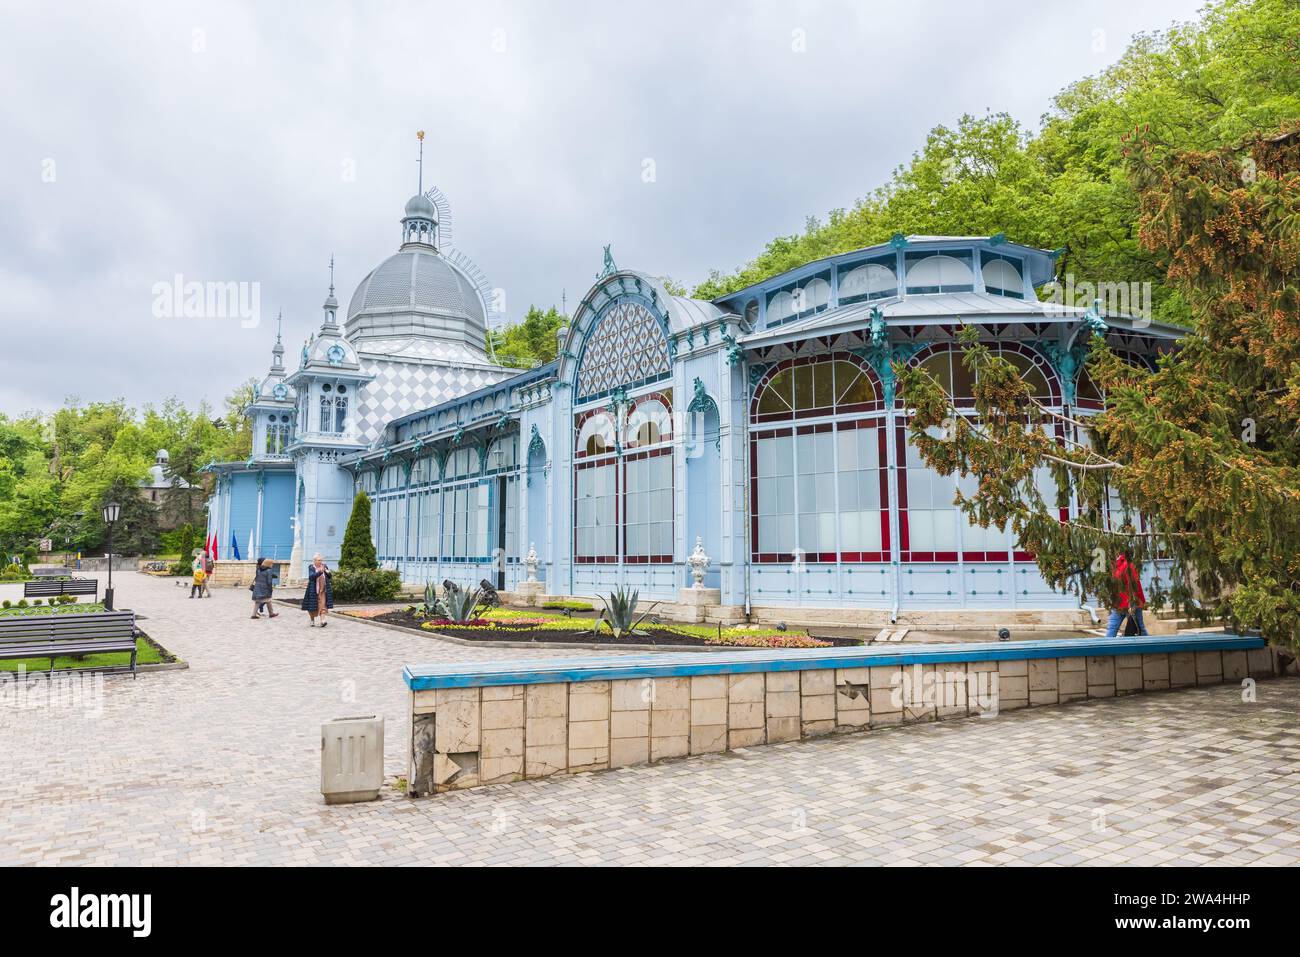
(698, 561)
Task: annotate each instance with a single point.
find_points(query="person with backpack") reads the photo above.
(199, 580)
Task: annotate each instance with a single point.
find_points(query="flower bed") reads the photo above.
(69, 608)
(502, 624)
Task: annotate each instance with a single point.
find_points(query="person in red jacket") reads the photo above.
(1131, 597)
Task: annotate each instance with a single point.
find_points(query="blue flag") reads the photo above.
(234, 546)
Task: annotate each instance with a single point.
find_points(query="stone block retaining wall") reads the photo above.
(510, 724)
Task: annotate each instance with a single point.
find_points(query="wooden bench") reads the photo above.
(50, 587)
(52, 635)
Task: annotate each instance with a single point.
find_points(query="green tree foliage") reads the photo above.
(531, 342)
(1205, 450)
(57, 469)
(358, 552)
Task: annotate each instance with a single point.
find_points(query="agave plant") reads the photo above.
(620, 614)
(430, 609)
(458, 604)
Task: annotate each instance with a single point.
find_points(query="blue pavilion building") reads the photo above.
(763, 426)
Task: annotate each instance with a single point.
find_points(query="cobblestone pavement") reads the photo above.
(220, 765)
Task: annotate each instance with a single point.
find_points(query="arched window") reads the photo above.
(819, 489)
(649, 423)
(1001, 277)
(867, 281)
(623, 505)
(595, 490)
(945, 364)
(931, 527)
(927, 272)
(340, 413)
(327, 413)
(627, 348)
(815, 386)
(780, 308)
(814, 295)
(596, 434)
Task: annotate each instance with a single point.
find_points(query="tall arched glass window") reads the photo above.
(340, 413)
(595, 489)
(819, 487)
(931, 527)
(327, 413)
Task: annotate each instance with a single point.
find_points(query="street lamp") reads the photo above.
(111, 513)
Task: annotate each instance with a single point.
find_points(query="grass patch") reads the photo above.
(147, 653)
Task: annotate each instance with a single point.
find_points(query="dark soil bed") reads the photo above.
(585, 635)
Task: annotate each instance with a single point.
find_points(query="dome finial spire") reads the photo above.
(419, 135)
(331, 275)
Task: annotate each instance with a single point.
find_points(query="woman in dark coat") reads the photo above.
(319, 597)
(263, 587)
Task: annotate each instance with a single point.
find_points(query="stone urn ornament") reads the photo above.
(697, 562)
(531, 561)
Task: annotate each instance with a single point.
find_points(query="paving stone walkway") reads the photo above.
(219, 764)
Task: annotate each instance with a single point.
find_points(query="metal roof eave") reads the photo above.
(857, 321)
(919, 242)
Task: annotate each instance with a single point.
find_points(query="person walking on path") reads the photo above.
(208, 565)
(199, 579)
(263, 587)
(1131, 597)
(319, 597)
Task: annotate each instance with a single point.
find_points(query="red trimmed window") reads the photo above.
(819, 490)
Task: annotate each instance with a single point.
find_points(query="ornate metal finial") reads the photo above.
(419, 135)
(331, 274)
(1095, 320)
(879, 331)
(898, 241)
(609, 268)
(279, 322)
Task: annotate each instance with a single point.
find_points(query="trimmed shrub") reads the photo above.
(365, 584)
(568, 604)
(358, 553)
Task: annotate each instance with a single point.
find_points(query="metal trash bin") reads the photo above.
(351, 759)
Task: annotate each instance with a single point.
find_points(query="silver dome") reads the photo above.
(416, 292)
(421, 206)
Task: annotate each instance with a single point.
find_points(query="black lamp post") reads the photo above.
(111, 513)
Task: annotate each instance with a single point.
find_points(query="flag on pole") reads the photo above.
(234, 547)
(215, 557)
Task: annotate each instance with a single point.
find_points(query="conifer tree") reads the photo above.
(1201, 455)
(358, 548)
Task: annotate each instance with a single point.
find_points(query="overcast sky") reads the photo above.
(245, 143)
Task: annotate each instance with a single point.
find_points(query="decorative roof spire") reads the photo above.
(420, 218)
(277, 351)
(331, 305)
(419, 135)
